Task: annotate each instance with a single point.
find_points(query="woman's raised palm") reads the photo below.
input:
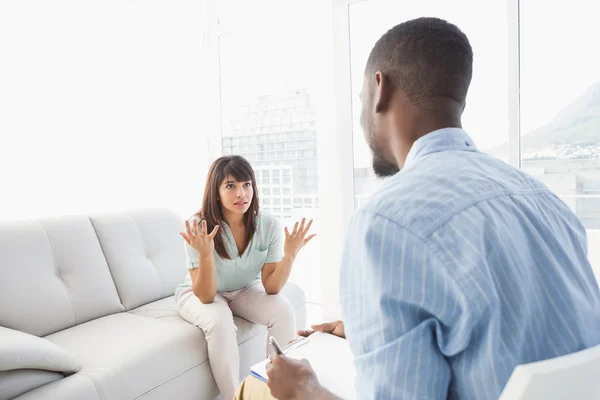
(198, 238)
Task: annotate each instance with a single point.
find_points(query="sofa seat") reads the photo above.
(166, 310)
(127, 355)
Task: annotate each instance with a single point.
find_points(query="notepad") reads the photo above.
(329, 356)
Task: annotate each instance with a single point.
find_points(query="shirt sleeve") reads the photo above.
(400, 308)
(276, 240)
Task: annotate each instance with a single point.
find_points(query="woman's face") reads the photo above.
(235, 196)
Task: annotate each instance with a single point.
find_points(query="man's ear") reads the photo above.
(383, 92)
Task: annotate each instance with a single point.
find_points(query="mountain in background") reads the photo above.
(573, 134)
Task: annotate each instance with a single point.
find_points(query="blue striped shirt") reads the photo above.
(458, 270)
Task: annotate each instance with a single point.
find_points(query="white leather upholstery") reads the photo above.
(71, 279)
(572, 376)
(19, 381)
(54, 275)
(74, 387)
(20, 350)
(126, 355)
(144, 253)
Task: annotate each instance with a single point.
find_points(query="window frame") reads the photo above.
(334, 89)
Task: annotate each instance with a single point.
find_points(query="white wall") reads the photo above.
(101, 106)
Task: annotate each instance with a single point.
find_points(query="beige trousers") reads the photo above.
(253, 389)
(216, 320)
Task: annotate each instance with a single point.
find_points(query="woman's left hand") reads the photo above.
(297, 239)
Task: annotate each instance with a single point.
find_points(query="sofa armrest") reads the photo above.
(297, 299)
(20, 350)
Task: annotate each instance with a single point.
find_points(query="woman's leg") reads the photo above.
(274, 311)
(216, 320)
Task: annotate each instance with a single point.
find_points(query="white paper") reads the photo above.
(329, 356)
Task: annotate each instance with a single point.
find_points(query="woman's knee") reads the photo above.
(215, 317)
(220, 322)
(281, 310)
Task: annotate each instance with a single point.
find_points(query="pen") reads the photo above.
(275, 345)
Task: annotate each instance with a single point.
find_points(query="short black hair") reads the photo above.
(427, 58)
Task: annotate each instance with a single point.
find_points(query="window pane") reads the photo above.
(486, 114)
(560, 101)
(268, 74)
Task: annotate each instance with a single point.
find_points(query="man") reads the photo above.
(461, 267)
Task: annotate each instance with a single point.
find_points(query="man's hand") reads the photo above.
(291, 379)
(335, 328)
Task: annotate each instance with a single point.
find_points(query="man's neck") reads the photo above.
(414, 129)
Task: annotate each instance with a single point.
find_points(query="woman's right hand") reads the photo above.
(200, 239)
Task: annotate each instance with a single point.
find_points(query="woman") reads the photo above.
(238, 262)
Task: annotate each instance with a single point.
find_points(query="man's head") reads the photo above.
(416, 80)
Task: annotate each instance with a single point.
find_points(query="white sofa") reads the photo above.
(87, 311)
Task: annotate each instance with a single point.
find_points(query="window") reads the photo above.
(276, 191)
(266, 191)
(287, 191)
(485, 25)
(38, 155)
(277, 202)
(266, 201)
(559, 132)
(287, 202)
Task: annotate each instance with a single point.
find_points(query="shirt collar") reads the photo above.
(446, 139)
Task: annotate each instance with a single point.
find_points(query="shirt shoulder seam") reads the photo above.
(467, 287)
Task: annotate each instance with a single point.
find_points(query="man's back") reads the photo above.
(460, 269)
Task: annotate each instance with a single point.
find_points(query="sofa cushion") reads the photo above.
(145, 253)
(20, 350)
(166, 310)
(53, 273)
(16, 382)
(74, 387)
(126, 355)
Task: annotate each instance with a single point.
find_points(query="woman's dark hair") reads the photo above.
(241, 170)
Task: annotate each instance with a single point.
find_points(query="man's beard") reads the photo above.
(382, 167)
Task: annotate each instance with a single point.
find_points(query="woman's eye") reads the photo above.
(247, 184)
(230, 186)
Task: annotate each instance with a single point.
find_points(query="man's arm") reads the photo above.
(402, 309)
